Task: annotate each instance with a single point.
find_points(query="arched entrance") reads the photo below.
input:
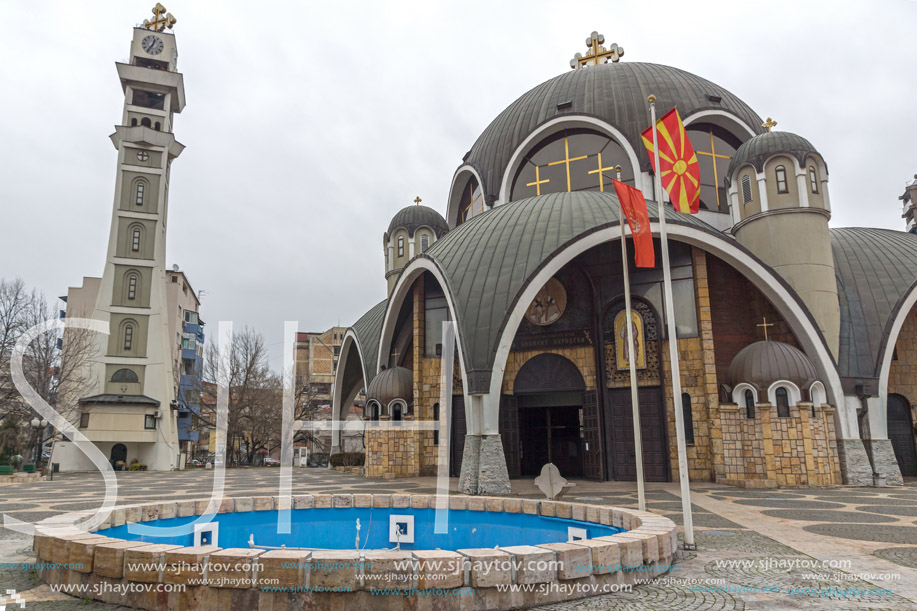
(901, 434)
(119, 453)
(548, 396)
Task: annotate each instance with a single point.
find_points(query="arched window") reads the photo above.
(436, 419)
(401, 246)
(134, 122)
(156, 126)
(128, 336)
(125, 376)
(472, 202)
(397, 411)
(813, 180)
(688, 418)
(138, 194)
(424, 243)
(746, 189)
(569, 160)
(135, 239)
(714, 146)
(132, 287)
(145, 122)
(749, 404)
(783, 403)
(781, 179)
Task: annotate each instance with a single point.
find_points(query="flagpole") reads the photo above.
(632, 362)
(669, 303)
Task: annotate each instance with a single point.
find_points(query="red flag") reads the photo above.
(680, 171)
(634, 208)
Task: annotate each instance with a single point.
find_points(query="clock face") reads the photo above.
(152, 44)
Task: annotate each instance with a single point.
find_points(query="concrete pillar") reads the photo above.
(855, 466)
(493, 477)
(802, 187)
(762, 191)
(471, 461)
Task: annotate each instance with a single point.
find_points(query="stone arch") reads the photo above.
(548, 372)
(459, 180)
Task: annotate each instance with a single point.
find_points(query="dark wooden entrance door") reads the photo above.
(551, 434)
(622, 457)
(901, 434)
(119, 453)
(593, 456)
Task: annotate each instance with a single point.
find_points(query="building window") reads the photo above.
(84, 420)
(138, 200)
(688, 418)
(400, 246)
(125, 376)
(813, 180)
(749, 404)
(149, 422)
(436, 419)
(132, 287)
(135, 240)
(781, 180)
(396, 412)
(145, 122)
(424, 243)
(783, 403)
(128, 336)
(746, 189)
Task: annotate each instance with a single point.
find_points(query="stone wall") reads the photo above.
(902, 375)
(767, 451)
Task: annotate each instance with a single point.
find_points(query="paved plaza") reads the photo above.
(747, 539)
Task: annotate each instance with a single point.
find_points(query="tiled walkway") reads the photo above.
(775, 539)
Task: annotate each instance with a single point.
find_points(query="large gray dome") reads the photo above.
(391, 384)
(763, 363)
(615, 93)
(414, 217)
(759, 149)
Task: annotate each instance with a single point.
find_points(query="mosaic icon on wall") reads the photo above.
(549, 304)
(621, 348)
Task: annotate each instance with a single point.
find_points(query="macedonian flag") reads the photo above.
(680, 171)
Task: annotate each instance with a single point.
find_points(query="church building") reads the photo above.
(797, 341)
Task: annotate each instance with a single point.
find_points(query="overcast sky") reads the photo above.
(308, 125)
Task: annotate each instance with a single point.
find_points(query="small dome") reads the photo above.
(414, 217)
(759, 149)
(763, 363)
(391, 384)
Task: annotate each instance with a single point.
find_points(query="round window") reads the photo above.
(143, 155)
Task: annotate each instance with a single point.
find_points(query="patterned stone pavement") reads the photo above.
(776, 549)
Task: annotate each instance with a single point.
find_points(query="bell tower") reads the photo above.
(130, 411)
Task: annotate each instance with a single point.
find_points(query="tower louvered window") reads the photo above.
(746, 189)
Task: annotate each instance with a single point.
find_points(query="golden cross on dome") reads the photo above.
(769, 125)
(538, 182)
(567, 160)
(597, 53)
(417, 200)
(765, 324)
(161, 19)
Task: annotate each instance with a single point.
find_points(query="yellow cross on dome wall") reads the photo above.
(769, 125)
(597, 53)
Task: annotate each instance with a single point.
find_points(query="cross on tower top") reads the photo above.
(769, 125)
(161, 19)
(765, 325)
(417, 200)
(597, 53)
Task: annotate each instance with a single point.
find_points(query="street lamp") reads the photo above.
(39, 426)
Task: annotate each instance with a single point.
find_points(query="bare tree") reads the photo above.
(255, 397)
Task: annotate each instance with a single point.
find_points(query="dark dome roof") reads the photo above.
(391, 384)
(763, 363)
(762, 147)
(413, 217)
(615, 93)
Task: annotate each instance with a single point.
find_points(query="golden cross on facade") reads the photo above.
(765, 325)
(161, 19)
(769, 125)
(600, 170)
(566, 161)
(714, 155)
(417, 200)
(597, 53)
(538, 182)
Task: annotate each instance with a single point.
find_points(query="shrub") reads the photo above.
(348, 459)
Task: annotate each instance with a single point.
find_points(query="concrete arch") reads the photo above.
(413, 270)
(762, 277)
(552, 127)
(793, 393)
(738, 393)
(721, 118)
(462, 174)
(338, 397)
(878, 420)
